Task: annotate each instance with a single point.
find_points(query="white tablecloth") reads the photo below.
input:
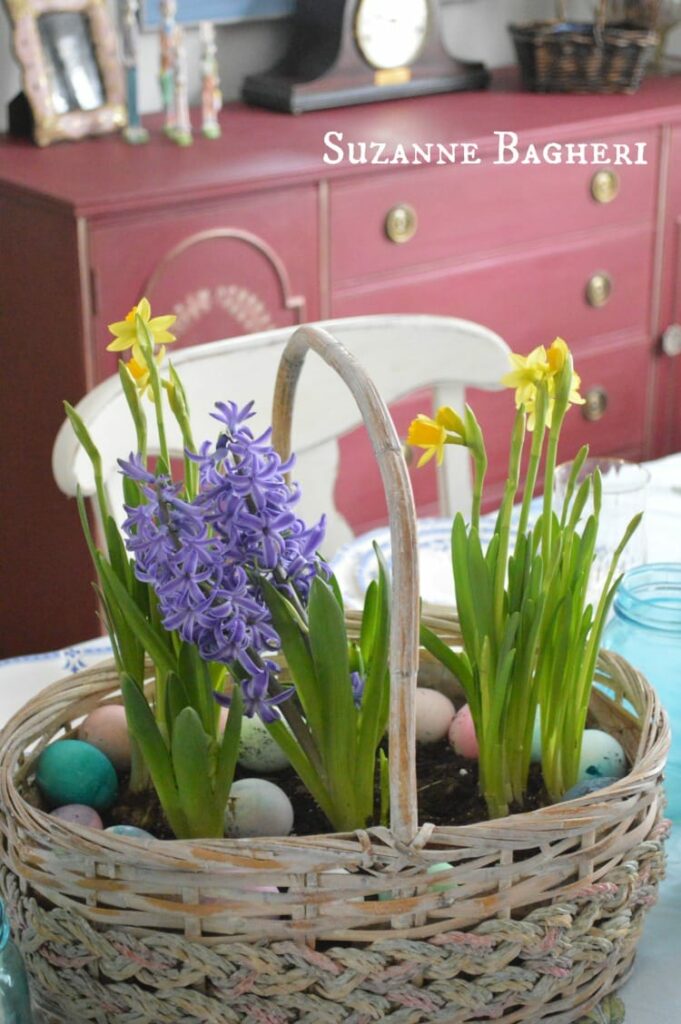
(653, 994)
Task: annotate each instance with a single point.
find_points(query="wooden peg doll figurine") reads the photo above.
(133, 132)
(211, 95)
(183, 127)
(167, 66)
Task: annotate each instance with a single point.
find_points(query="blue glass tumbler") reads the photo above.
(15, 1002)
(646, 630)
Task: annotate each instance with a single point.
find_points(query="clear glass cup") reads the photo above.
(625, 486)
(646, 630)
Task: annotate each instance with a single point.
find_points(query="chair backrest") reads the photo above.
(402, 354)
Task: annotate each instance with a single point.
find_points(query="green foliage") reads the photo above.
(530, 635)
(334, 745)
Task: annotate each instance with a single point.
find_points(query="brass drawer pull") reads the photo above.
(401, 223)
(605, 186)
(595, 404)
(671, 341)
(599, 290)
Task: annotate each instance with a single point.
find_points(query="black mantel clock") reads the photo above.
(358, 51)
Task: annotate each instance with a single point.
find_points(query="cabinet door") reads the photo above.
(232, 267)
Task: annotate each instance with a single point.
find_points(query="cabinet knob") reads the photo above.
(595, 404)
(605, 186)
(671, 340)
(599, 289)
(401, 223)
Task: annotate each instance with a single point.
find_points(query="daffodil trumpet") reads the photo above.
(530, 635)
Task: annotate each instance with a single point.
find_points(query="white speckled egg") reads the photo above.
(78, 814)
(107, 729)
(434, 713)
(257, 750)
(462, 734)
(257, 807)
(602, 757)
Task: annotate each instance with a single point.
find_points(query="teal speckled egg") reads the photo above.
(587, 787)
(73, 772)
(129, 831)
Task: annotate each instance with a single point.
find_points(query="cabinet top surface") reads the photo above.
(261, 149)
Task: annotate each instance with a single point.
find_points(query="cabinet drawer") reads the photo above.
(225, 268)
(465, 209)
(530, 299)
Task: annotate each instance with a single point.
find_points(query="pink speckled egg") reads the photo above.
(107, 729)
(434, 713)
(462, 734)
(78, 814)
(222, 720)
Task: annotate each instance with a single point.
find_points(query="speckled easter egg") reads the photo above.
(257, 750)
(462, 734)
(257, 807)
(433, 713)
(78, 814)
(107, 729)
(129, 831)
(73, 772)
(435, 869)
(586, 787)
(602, 757)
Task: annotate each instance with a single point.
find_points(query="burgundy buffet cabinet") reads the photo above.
(256, 230)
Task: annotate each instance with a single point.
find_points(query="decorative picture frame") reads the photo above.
(221, 12)
(71, 71)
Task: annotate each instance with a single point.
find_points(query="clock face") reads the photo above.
(390, 33)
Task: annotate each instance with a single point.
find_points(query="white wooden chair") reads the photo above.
(402, 354)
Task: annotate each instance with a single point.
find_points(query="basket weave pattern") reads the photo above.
(583, 58)
(540, 922)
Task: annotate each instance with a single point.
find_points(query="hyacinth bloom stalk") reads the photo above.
(530, 635)
(223, 578)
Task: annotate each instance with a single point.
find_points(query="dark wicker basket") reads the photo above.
(564, 56)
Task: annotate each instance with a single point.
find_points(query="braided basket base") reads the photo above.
(537, 920)
(555, 964)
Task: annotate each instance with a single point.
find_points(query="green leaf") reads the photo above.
(148, 636)
(295, 645)
(192, 753)
(229, 749)
(329, 648)
(177, 699)
(369, 618)
(132, 397)
(144, 729)
(376, 696)
(457, 664)
(302, 767)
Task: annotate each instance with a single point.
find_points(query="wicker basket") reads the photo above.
(541, 920)
(563, 56)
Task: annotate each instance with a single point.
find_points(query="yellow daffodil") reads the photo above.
(139, 371)
(125, 331)
(540, 365)
(526, 373)
(433, 434)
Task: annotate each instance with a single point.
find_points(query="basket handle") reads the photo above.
(404, 626)
(601, 14)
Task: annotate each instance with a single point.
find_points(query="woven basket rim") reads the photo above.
(103, 680)
(579, 31)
